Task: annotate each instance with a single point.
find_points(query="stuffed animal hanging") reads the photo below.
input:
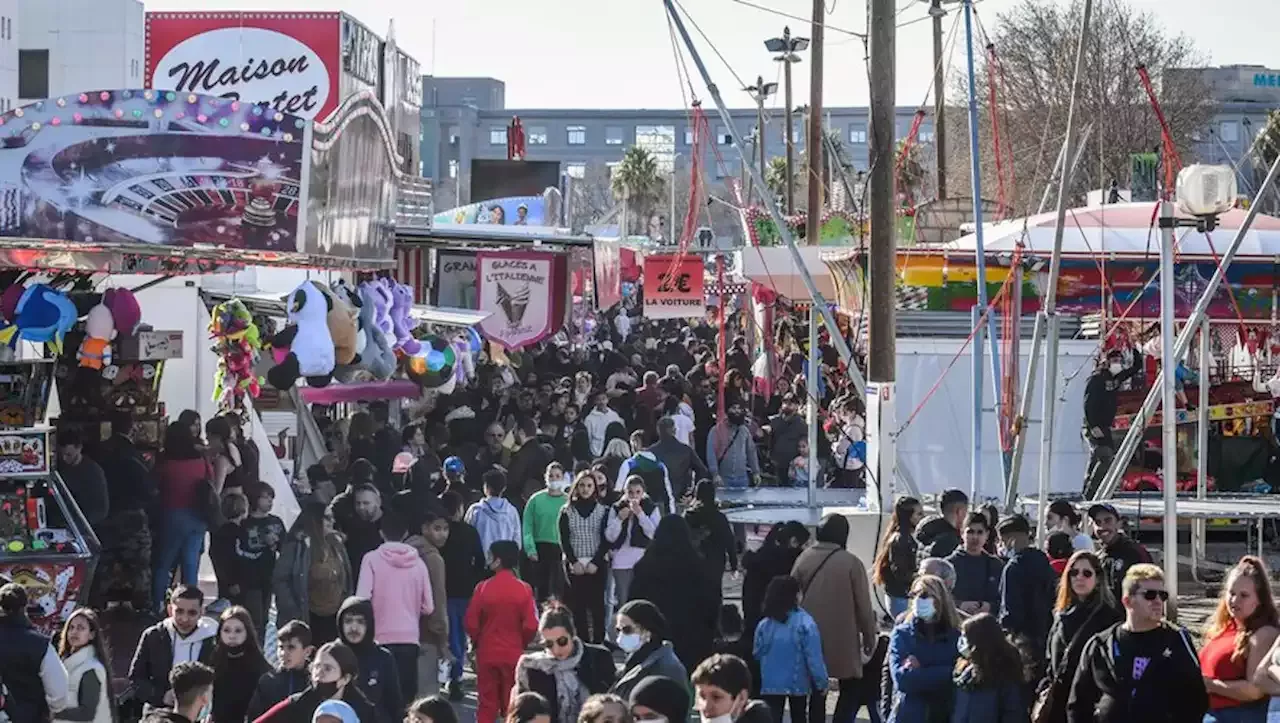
(125, 310)
(304, 347)
(236, 342)
(341, 321)
(42, 315)
(401, 305)
(378, 356)
(99, 331)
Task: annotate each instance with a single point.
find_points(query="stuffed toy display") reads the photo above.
(125, 310)
(341, 320)
(401, 305)
(378, 356)
(99, 331)
(42, 315)
(304, 348)
(382, 309)
(236, 341)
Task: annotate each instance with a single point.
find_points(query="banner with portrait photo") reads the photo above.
(525, 293)
(673, 287)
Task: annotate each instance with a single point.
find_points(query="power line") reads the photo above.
(781, 13)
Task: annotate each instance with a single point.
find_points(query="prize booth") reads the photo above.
(114, 182)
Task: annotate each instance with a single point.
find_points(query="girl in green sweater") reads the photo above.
(542, 534)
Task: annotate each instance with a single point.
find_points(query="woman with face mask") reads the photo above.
(922, 654)
(566, 671)
(333, 676)
(642, 635)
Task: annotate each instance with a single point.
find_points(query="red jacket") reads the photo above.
(502, 618)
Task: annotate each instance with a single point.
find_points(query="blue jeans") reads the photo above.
(897, 605)
(181, 539)
(736, 483)
(1248, 713)
(457, 636)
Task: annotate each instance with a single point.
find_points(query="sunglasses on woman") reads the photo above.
(556, 643)
(1086, 573)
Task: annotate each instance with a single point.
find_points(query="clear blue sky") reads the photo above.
(618, 54)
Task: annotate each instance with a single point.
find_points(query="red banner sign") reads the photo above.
(673, 289)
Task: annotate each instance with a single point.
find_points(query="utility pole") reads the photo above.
(761, 92)
(939, 99)
(813, 144)
(787, 47)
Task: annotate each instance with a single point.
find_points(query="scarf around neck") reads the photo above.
(570, 692)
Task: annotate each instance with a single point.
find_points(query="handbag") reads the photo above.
(208, 505)
(1047, 698)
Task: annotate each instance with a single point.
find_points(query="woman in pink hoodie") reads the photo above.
(396, 581)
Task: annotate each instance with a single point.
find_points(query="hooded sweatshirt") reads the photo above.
(161, 648)
(936, 537)
(495, 519)
(378, 678)
(396, 580)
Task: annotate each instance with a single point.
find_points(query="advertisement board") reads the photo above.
(525, 293)
(456, 278)
(291, 61)
(153, 168)
(673, 287)
(516, 211)
(495, 178)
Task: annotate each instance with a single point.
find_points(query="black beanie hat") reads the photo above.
(663, 695)
(646, 615)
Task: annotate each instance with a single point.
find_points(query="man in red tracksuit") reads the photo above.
(502, 620)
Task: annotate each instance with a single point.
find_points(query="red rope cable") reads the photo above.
(995, 129)
(1172, 161)
(1009, 378)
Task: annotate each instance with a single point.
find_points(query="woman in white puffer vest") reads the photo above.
(83, 650)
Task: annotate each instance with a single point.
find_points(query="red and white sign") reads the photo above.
(292, 61)
(525, 293)
(673, 287)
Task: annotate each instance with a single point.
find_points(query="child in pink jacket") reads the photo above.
(395, 580)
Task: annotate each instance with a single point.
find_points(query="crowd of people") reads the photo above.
(554, 528)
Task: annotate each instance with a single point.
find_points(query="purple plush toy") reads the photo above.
(401, 304)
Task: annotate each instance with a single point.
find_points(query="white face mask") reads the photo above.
(1116, 368)
(630, 643)
(557, 485)
(925, 608)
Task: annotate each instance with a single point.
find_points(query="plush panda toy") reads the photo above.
(307, 338)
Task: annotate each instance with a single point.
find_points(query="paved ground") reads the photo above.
(1196, 604)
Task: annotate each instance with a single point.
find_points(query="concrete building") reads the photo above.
(466, 119)
(1242, 95)
(65, 46)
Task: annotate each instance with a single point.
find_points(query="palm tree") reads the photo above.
(775, 177)
(638, 181)
(911, 174)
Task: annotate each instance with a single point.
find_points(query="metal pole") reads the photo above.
(1168, 411)
(786, 70)
(784, 231)
(1024, 413)
(813, 140)
(1202, 447)
(883, 251)
(1048, 410)
(811, 380)
(1048, 187)
(1051, 295)
(975, 469)
(1134, 435)
(939, 100)
(975, 177)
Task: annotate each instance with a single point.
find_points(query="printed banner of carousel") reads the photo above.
(154, 170)
(948, 283)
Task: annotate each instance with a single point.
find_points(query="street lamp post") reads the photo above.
(787, 47)
(761, 91)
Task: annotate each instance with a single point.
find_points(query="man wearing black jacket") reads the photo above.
(464, 568)
(681, 461)
(528, 463)
(1100, 413)
(940, 536)
(379, 677)
(1119, 551)
(192, 685)
(185, 636)
(1143, 669)
(295, 650)
(1026, 587)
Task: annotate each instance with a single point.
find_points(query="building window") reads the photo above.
(498, 136)
(536, 136)
(1229, 131)
(723, 136)
(575, 170)
(611, 166)
(576, 135)
(661, 142)
(454, 135)
(925, 135)
(857, 134)
(453, 169)
(613, 136)
(33, 73)
(688, 135)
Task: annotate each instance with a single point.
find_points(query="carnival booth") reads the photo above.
(111, 182)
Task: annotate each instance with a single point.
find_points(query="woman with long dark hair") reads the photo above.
(582, 542)
(566, 671)
(988, 675)
(312, 575)
(1083, 609)
(238, 664)
(224, 456)
(672, 576)
(1237, 640)
(184, 475)
(789, 650)
(84, 653)
(333, 677)
(895, 564)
